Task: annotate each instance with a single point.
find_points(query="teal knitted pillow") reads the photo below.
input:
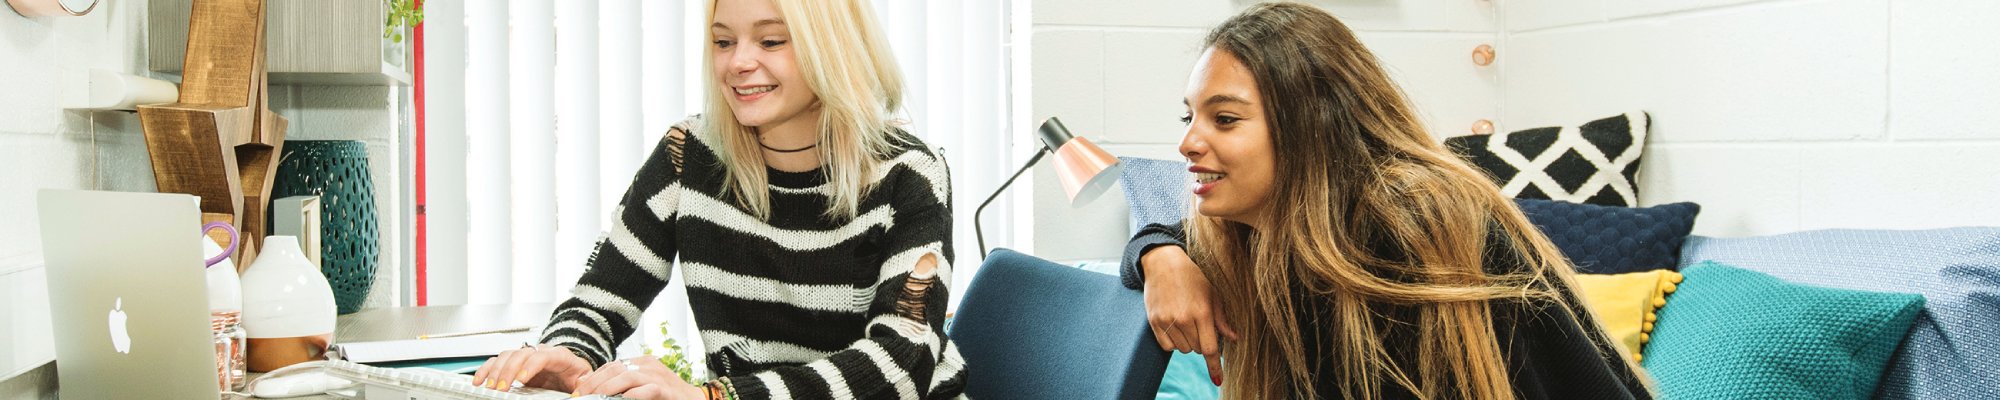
(1731, 333)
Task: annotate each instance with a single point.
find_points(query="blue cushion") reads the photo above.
(1187, 379)
(1731, 333)
(1157, 191)
(1611, 239)
(1953, 350)
(1033, 329)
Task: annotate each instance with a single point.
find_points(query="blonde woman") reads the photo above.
(813, 233)
(1339, 251)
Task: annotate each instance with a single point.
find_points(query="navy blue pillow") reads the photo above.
(1614, 240)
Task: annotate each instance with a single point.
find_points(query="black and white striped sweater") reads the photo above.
(795, 306)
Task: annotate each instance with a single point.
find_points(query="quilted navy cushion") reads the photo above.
(1953, 350)
(1158, 191)
(1614, 240)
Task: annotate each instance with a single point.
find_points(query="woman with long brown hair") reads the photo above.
(1338, 251)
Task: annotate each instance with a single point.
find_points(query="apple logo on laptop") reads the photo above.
(120, 339)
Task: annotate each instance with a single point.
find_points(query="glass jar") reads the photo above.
(230, 342)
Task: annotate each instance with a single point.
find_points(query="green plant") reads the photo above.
(403, 13)
(675, 357)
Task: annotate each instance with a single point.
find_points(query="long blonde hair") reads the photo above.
(845, 59)
(1381, 218)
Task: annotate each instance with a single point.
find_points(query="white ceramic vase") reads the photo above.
(288, 306)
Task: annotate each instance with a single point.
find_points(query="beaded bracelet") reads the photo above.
(719, 389)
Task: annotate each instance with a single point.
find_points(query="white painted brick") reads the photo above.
(1472, 16)
(1942, 70)
(35, 162)
(1523, 15)
(1796, 71)
(1437, 73)
(1069, 79)
(343, 113)
(1158, 13)
(1617, 9)
(1743, 190)
(382, 156)
(1145, 78)
(285, 101)
(1900, 186)
(28, 339)
(1091, 231)
(31, 87)
(122, 161)
(1548, 83)
(1408, 15)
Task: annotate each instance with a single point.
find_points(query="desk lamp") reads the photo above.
(1085, 170)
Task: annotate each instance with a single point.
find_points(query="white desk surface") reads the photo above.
(397, 323)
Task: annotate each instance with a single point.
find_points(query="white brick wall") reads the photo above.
(44, 146)
(1776, 116)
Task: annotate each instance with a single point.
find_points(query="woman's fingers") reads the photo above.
(1214, 368)
(646, 392)
(1160, 335)
(589, 383)
(531, 366)
(1205, 334)
(619, 384)
(490, 371)
(1185, 338)
(510, 370)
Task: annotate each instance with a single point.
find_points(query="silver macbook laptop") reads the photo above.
(127, 295)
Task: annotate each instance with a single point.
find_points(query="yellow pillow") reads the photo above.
(1627, 304)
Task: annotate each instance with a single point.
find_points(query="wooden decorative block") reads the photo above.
(221, 141)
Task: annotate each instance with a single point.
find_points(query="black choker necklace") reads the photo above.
(760, 143)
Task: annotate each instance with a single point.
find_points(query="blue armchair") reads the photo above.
(1033, 329)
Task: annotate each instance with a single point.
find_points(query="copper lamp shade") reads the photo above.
(1084, 170)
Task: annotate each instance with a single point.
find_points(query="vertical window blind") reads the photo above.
(562, 101)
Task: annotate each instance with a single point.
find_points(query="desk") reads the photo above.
(398, 323)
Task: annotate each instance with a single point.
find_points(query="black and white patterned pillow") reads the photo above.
(1596, 162)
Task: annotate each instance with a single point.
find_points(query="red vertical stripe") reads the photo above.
(423, 227)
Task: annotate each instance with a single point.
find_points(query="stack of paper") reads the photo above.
(486, 345)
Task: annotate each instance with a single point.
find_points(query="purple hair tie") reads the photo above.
(232, 241)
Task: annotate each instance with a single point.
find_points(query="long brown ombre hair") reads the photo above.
(1380, 221)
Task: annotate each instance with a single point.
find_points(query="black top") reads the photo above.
(1549, 355)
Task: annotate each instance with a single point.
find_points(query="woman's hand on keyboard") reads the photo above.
(638, 378)
(543, 366)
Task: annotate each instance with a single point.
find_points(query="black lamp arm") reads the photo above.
(979, 231)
